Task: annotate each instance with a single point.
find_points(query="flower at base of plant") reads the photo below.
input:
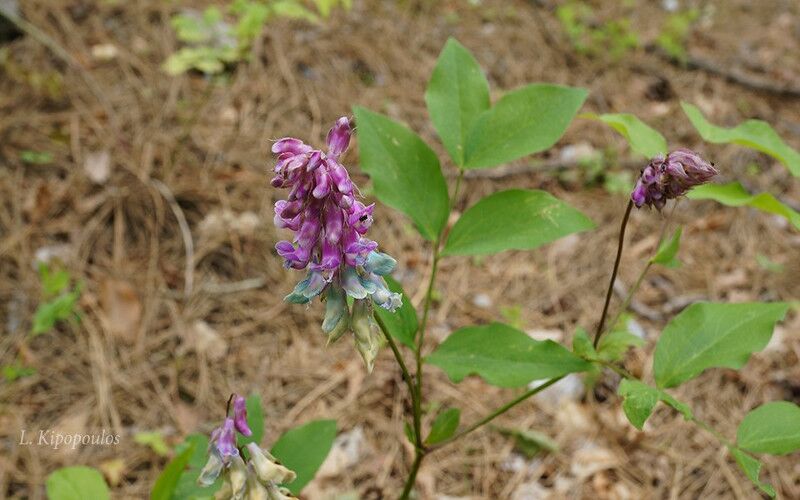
(668, 177)
(258, 477)
(330, 225)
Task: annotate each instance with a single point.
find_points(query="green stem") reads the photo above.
(638, 283)
(412, 476)
(400, 361)
(496, 413)
(610, 291)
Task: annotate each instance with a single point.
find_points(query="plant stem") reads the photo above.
(412, 476)
(400, 361)
(496, 413)
(610, 291)
(638, 283)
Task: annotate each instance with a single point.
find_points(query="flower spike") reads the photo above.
(330, 227)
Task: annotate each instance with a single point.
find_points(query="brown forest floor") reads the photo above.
(138, 361)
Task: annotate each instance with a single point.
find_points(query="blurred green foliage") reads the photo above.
(212, 43)
(59, 299)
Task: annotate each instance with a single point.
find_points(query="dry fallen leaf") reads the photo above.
(122, 308)
(205, 339)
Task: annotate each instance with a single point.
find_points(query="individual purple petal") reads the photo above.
(225, 442)
(331, 257)
(334, 223)
(340, 177)
(339, 137)
(240, 416)
(290, 145)
(360, 217)
(323, 181)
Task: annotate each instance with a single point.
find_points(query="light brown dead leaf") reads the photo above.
(122, 308)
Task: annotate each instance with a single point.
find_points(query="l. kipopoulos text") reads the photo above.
(54, 439)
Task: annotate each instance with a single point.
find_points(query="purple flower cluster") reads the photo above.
(671, 176)
(259, 477)
(330, 227)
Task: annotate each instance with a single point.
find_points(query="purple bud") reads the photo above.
(339, 137)
(666, 178)
(240, 416)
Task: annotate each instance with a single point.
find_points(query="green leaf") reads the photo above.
(444, 426)
(754, 134)
(667, 254)
(640, 399)
(402, 324)
(293, 9)
(167, 482)
(154, 440)
(255, 420)
(53, 281)
(735, 195)
(404, 170)
(187, 487)
(49, 313)
(16, 370)
(643, 139)
(77, 483)
(707, 335)
(503, 356)
(522, 122)
(457, 94)
(514, 219)
(529, 443)
(304, 448)
(36, 157)
(752, 469)
(771, 428)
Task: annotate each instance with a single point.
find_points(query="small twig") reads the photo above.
(725, 72)
(188, 244)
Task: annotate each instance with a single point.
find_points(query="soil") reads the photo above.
(182, 291)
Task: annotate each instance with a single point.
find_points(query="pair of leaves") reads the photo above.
(754, 134)
(503, 356)
(478, 135)
(405, 171)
